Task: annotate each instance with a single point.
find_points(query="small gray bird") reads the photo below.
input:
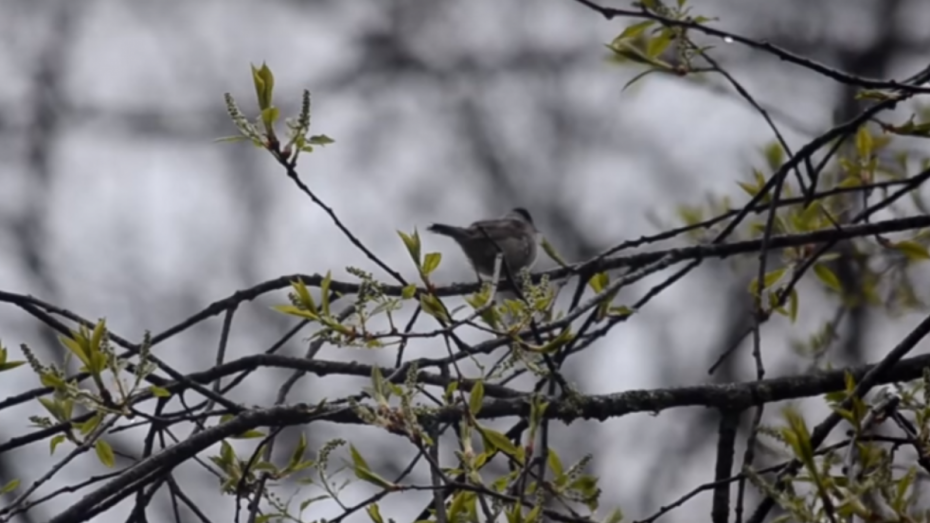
(513, 235)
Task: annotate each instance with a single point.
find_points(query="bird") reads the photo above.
(513, 235)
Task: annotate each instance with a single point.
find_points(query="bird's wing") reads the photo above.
(496, 229)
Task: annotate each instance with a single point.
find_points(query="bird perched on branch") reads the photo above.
(513, 235)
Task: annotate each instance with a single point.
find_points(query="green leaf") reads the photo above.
(634, 30)
(92, 423)
(450, 390)
(751, 189)
(615, 517)
(827, 277)
(431, 262)
(899, 503)
(105, 453)
(620, 311)
(55, 441)
(799, 439)
(476, 398)
(9, 487)
(320, 139)
(298, 455)
(480, 298)
(769, 279)
(236, 138)
(357, 458)
(304, 296)
(7, 365)
(586, 486)
(498, 441)
(774, 156)
(864, 142)
(849, 382)
(264, 466)
(482, 459)
(660, 43)
(463, 502)
(331, 323)
(408, 291)
(690, 215)
(912, 129)
(835, 397)
(97, 336)
(160, 392)
(76, 348)
(324, 291)
(599, 282)
(537, 411)
(555, 464)
(364, 473)
(810, 216)
(98, 361)
(53, 408)
(629, 50)
(307, 502)
(264, 85)
(913, 250)
(432, 306)
(374, 513)
(850, 182)
(793, 305)
(227, 453)
(294, 311)
(249, 434)
(377, 384)
(558, 342)
(873, 94)
(552, 253)
(412, 242)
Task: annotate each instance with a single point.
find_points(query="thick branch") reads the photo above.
(734, 396)
(696, 252)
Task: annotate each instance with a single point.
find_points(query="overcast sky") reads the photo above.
(116, 201)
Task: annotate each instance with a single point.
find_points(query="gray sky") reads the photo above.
(441, 112)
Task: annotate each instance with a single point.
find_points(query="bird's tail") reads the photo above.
(446, 230)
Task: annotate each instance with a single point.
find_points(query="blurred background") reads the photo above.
(116, 201)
